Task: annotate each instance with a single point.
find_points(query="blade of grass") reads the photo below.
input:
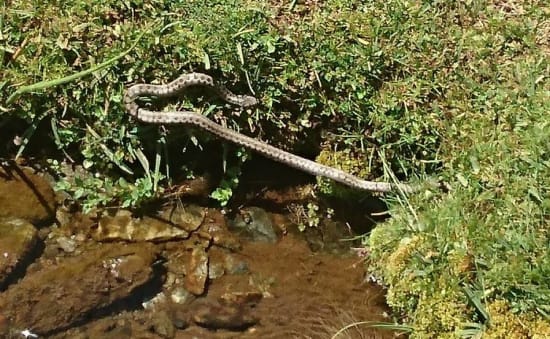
(143, 161)
(110, 155)
(158, 159)
(476, 302)
(52, 83)
(472, 330)
(27, 135)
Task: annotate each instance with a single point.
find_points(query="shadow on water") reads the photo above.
(22, 265)
(133, 302)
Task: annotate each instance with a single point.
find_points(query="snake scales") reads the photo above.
(191, 118)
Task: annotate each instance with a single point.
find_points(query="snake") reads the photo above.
(184, 81)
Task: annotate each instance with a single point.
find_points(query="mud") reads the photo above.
(60, 295)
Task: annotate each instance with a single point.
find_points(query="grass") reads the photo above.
(475, 261)
(457, 90)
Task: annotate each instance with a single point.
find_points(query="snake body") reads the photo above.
(191, 118)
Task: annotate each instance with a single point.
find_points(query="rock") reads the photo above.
(333, 232)
(328, 237)
(162, 324)
(180, 320)
(121, 225)
(215, 270)
(17, 240)
(57, 296)
(73, 222)
(288, 195)
(199, 187)
(66, 244)
(241, 298)
(188, 218)
(155, 302)
(222, 262)
(215, 226)
(255, 224)
(197, 271)
(235, 266)
(181, 296)
(25, 195)
(229, 316)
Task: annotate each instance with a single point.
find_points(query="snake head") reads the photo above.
(248, 101)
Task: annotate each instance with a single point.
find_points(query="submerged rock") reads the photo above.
(162, 324)
(57, 296)
(121, 225)
(197, 271)
(188, 217)
(66, 244)
(230, 316)
(25, 195)
(223, 261)
(215, 227)
(255, 224)
(241, 298)
(17, 240)
(181, 296)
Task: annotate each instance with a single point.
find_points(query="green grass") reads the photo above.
(458, 90)
(475, 261)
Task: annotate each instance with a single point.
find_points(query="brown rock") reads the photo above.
(215, 226)
(288, 195)
(197, 271)
(241, 298)
(222, 261)
(215, 315)
(17, 240)
(25, 195)
(162, 324)
(199, 187)
(120, 225)
(188, 217)
(255, 224)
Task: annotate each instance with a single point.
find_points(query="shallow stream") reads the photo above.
(182, 270)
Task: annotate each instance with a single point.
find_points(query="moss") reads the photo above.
(505, 324)
(346, 161)
(439, 315)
